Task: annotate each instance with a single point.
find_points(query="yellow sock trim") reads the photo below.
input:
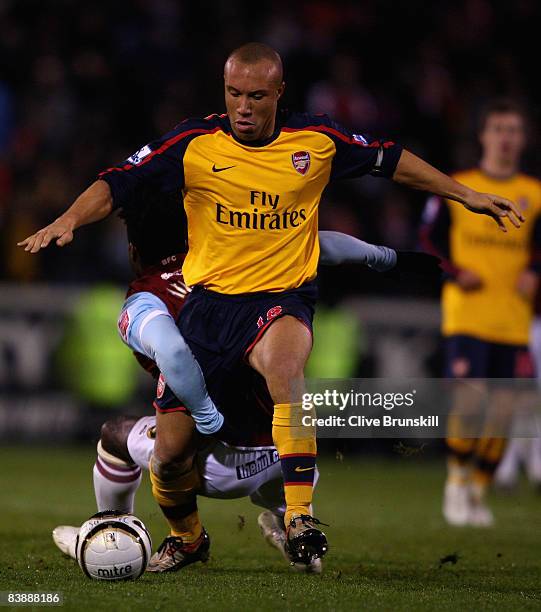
(461, 446)
(298, 500)
(291, 437)
(288, 432)
(490, 449)
(178, 490)
(175, 490)
(188, 528)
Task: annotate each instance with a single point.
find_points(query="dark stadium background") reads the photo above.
(83, 85)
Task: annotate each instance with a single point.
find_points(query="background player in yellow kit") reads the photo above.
(252, 180)
(487, 301)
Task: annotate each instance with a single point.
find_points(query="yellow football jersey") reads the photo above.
(252, 208)
(496, 312)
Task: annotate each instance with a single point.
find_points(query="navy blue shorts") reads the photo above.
(221, 330)
(469, 357)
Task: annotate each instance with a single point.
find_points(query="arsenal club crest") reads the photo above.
(301, 161)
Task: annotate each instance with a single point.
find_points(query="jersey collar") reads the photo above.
(258, 143)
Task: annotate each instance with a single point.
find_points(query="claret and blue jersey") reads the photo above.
(252, 207)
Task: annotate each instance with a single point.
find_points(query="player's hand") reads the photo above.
(416, 267)
(527, 284)
(61, 230)
(468, 280)
(496, 207)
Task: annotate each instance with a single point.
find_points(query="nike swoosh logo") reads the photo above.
(299, 469)
(214, 169)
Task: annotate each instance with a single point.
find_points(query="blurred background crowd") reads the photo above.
(84, 85)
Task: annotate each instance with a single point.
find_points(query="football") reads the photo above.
(113, 546)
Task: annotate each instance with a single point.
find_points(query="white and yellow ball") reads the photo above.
(113, 546)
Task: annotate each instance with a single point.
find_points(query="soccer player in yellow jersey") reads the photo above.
(252, 180)
(487, 301)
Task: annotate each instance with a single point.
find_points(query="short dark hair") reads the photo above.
(501, 106)
(155, 223)
(254, 52)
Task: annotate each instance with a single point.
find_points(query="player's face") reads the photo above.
(503, 136)
(252, 92)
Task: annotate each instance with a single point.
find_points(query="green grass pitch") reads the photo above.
(386, 541)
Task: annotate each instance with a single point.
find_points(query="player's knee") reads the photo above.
(284, 372)
(284, 380)
(114, 436)
(174, 457)
(166, 467)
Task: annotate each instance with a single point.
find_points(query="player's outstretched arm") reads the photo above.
(337, 248)
(94, 204)
(416, 173)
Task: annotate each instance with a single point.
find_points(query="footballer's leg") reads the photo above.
(461, 444)
(270, 495)
(126, 446)
(228, 472)
(175, 482)
(280, 356)
(489, 452)
(130, 441)
(466, 357)
(506, 362)
(116, 477)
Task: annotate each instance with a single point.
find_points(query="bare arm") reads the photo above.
(416, 173)
(94, 204)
